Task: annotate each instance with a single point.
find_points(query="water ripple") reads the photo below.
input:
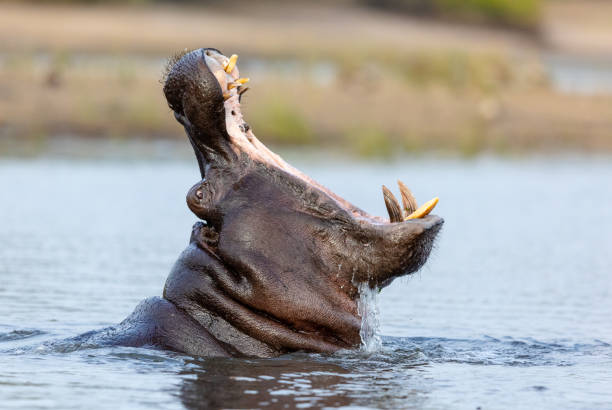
(19, 334)
(492, 351)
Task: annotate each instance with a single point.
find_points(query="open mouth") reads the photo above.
(243, 141)
(278, 255)
(241, 176)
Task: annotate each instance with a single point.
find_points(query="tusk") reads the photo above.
(393, 207)
(424, 210)
(243, 90)
(231, 63)
(226, 96)
(238, 83)
(408, 200)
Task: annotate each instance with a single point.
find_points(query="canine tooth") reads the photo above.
(243, 90)
(231, 64)
(243, 80)
(408, 200)
(231, 85)
(393, 207)
(226, 96)
(424, 210)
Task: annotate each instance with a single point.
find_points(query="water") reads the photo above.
(367, 308)
(512, 310)
(580, 75)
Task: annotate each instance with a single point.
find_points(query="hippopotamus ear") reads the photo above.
(195, 96)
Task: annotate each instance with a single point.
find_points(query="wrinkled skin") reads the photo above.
(274, 265)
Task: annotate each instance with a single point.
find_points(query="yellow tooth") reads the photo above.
(226, 96)
(424, 209)
(231, 64)
(237, 83)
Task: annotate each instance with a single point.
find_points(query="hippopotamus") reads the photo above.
(276, 262)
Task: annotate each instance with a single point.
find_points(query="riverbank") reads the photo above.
(366, 82)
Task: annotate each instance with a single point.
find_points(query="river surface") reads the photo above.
(513, 309)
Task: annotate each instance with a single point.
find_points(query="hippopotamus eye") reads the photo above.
(199, 194)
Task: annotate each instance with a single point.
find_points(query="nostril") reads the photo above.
(199, 194)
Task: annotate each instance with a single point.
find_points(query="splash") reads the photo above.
(367, 307)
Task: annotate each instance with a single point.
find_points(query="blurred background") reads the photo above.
(502, 108)
(373, 78)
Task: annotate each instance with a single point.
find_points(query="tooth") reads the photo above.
(226, 96)
(231, 64)
(393, 207)
(408, 200)
(243, 90)
(424, 210)
(238, 83)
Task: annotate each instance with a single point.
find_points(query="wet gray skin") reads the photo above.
(274, 265)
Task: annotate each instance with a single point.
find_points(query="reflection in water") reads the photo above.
(405, 373)
(301, 380)
(259, 383)
(396, 376)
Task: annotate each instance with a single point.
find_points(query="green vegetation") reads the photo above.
(282, 123)
(370, 141)
(519, 13)
(454, 69)
(523, 14)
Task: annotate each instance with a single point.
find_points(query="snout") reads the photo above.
(427, 223)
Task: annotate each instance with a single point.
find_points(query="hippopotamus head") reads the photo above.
(276, 263)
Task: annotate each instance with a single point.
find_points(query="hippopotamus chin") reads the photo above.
(276, 263)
